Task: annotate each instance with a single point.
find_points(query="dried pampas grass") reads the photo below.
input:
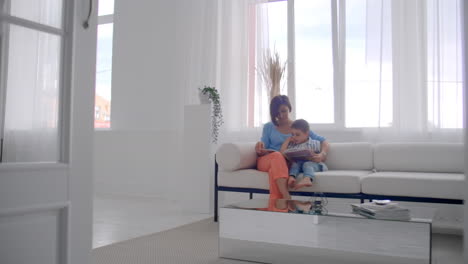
(271, 72)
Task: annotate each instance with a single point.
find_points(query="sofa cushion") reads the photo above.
(236, 156)
(248, 178)
(350, 156)
(415, 184)
(419, 157)
(345, 181)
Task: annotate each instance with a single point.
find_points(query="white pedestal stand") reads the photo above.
(198, 160)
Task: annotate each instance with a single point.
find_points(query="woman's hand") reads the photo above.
(285, 144)
(260, 148)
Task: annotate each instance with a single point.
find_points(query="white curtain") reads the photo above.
(444, 71)
(196, 37)
(31, 132)
(214, 37)
(242, 40)
(418, 53)
(236, 79)
(260, 114)
(402, 78)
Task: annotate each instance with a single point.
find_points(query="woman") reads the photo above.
(273, 135)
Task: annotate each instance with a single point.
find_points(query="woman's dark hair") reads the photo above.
(275, 104)
(301, 125)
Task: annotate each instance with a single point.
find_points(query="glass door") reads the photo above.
(32, 44)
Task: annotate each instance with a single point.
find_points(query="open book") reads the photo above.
(298, 154)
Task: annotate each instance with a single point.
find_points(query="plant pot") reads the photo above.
(204, 98)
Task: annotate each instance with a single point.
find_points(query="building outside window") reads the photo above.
(104, 64)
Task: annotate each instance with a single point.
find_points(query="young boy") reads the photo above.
(300, 140)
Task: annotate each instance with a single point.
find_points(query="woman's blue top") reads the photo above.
(273, 139)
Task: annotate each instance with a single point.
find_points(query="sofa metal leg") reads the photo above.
(216, 192)
(216, 206)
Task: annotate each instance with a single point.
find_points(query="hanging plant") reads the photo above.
(216, 115)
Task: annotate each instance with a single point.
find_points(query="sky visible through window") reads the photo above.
(106, 7)
(104, 61)
(103, 98)
(313, 61)
(369, 65)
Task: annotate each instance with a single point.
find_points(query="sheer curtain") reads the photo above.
(215, 39)
(196, 35)
(444, 68)
(232, 60)
(402, 77)
(413, 53)
(394, 56)
(32, 103)
(242, 38)
(368, 66)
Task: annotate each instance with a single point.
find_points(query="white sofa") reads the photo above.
(416, 172)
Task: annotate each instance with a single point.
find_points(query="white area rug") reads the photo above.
(193, 243)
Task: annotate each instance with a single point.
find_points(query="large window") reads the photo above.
(313, 61)
(102, 109)
(370, 64)
(33, 55)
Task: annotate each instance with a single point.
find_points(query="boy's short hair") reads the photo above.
(301, 125)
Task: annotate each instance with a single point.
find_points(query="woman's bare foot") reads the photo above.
(303, 206)
(305, 182)
(291, 182)
(282, 184)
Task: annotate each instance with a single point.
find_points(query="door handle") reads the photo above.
(90, 10)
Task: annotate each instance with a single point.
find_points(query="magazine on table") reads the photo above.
(390, 211)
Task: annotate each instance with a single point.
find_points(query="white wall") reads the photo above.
(139, 154)
(134, 162)
(143, 77)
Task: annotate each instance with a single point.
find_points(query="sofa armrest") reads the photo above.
(236, 156)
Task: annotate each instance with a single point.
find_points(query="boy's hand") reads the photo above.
(317, 157)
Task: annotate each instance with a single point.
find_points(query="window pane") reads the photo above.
(32, 100)
(270, 35)
(368, 85)
(106, 7)
(103, 76)
(48, 12)
(278, 29)
(444, 65)
(314, 61)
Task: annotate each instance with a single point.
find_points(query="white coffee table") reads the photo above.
(262, 230)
